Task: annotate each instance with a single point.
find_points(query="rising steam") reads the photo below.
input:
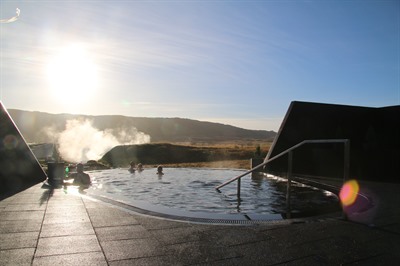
(80, 141)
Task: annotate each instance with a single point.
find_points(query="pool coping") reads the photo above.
(210, 218)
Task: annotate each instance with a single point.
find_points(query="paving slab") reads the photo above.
(61, 208)
(21, 215)
(234, 235)
(177, 235)
(18, 240)
(67, 245)
(124, 232)
(132, 248)
(25, 207)
(200, 252)
(67, 228)
(63, 217)
(164, 260)
(87, 258)
(22, 256)
(20, 226)
(105, 216)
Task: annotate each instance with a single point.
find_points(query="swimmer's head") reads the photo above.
(159, 169)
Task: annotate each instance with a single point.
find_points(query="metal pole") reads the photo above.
(238, 189)
(289, 183)
(346, 169)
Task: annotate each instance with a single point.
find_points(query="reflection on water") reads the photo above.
(193, 190)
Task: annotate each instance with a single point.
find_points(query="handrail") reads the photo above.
(322, 141)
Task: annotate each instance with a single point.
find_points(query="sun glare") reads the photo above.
(72, 75)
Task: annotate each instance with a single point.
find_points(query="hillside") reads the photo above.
(35, 127)
(167, 154)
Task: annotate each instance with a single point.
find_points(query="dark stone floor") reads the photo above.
(54, 227)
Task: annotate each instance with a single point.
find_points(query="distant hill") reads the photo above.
(34, 125)
(163, 153)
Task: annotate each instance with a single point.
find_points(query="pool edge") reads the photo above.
(226, 219)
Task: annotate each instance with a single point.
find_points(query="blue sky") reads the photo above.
(233, 62)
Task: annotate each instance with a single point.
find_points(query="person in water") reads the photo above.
(160, 170)
(140, 167)
(132, 169)
(81, 179)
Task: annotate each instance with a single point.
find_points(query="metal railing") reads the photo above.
(289, 151)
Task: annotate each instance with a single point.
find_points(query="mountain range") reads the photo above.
(36, 127)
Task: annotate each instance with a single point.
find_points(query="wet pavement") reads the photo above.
(42, 226)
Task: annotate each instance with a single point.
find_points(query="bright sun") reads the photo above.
(72, 75)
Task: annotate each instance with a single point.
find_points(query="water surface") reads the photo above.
(193, 190)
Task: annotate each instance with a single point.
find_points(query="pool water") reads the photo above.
(193, 190)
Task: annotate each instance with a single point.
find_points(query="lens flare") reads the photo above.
(348, 193)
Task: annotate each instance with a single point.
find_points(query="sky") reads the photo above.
(233, 62)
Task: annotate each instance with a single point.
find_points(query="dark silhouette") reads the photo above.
(19, 167)
(160, 170)
(140, 167)
(132, 169)
(81, 179)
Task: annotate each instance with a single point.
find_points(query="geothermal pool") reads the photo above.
(190, 192)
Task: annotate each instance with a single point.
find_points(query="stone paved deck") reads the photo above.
(54, 227)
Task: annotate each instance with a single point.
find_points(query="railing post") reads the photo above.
(346, 169)
(289, 184)
(238, 189)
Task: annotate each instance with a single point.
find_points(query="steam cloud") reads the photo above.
(80, 141)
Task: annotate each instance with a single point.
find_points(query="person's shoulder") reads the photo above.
(85, 179)
(72, 175)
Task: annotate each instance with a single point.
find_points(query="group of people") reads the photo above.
(82, 179)
(132, 169)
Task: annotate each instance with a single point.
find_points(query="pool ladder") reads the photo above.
(346, 168)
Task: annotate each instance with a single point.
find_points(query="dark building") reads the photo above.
(374, 135)
(19, 168)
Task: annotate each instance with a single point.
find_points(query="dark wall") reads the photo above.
(19, 168)
(374, 135)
